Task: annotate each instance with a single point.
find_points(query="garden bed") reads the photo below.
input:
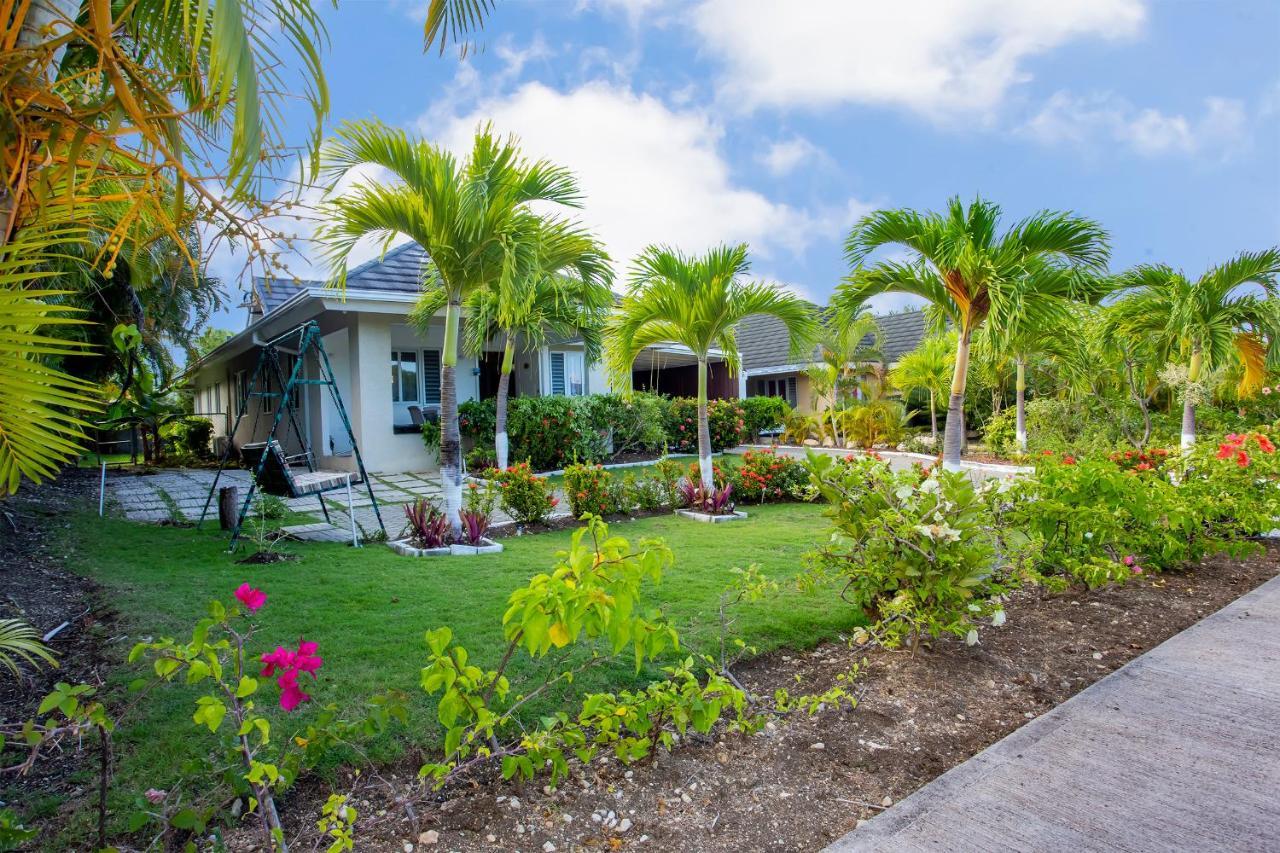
(799, 786)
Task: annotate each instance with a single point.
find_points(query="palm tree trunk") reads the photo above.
(500, 404)
(450, 437)
(1188, 401)
(704, 429)
(953, 438)
(933, 419)
(1022, 404)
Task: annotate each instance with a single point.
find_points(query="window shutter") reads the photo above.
(791, 391)
(557, 373)
(431, 377)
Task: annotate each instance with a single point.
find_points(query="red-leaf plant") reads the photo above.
(475, 524)
(716, 501)
(428, 527)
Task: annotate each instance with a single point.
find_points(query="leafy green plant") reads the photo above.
(589, 490)
(426, 524)
(765, 475)
(20, 643)
(725, 422)
(763, 413)
(916, 556)
(269, 506)
(526, 497)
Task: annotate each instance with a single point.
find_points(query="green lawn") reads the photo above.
(368, 609)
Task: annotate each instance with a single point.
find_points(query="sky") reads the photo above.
(780, 123)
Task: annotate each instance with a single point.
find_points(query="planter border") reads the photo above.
(403, 548)
(708, 518)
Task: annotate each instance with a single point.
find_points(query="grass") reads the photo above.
(368, 610)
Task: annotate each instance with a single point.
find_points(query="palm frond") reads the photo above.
(21, 643)
(454, 21)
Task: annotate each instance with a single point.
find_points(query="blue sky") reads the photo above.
(779, 123)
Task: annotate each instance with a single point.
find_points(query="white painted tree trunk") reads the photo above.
(953, 435)
(705, 468)
(1022, 406)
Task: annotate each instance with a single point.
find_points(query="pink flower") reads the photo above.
(289, 664)
(1128, 561)
(1137, 570)
(155, 796)
(250, 597)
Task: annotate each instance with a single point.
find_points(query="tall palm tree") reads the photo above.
(475, 221)
(568, 296)
(928, 367)
(1232, 311)
(697, 301)
(971, 273)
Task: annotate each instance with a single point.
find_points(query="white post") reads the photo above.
(102, 490)
(351, 512)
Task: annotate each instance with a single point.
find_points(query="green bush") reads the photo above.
(189, 437)
(477, 420)
(725, 420)
(917, 555)
(763, 413)
(589, 489)
(633, 424)
(765, 475)
(526, 497)
(481, 458)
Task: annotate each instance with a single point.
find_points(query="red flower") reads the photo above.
(1242, 459)
(1264, 443)
(250, 597)
(1068, 460)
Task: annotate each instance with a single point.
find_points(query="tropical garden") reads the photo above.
(1063, 432)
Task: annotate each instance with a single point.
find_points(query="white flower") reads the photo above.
(997, 618)
(1089, 535)
(929, 485)
(938, 532)
(971, 638)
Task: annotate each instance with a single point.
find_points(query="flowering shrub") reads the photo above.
(482, 459)
(725, 421)
(479, 501)
(256, 765)
(917, 557)
(1142, 461)
(763, 413)
(764, 475)
(589, 490)
(525, 496)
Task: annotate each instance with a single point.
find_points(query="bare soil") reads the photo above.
(803, 782)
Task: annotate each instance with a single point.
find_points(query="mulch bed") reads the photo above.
(802, 783)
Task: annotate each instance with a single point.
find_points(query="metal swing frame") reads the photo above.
(308, 339)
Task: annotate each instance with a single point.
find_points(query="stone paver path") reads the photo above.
(179, 494)
(1177, 750)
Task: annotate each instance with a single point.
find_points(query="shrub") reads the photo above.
(269, 506)
(427, 526)
(189, 436)
(714, 501)
(764, 475)
(551, 432)
(867, 425)
(526, 497)
(647, 493)
(725, 420)
(477, 420)
(632, 424)
(482, 458)
(668, 472)
(915, 555)
(763, 413)
(589, 490)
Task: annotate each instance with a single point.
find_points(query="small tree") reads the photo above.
(697, 301)
(928, 367)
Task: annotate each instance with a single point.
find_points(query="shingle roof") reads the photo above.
(270, 293)
(763, 343)
(399, 270)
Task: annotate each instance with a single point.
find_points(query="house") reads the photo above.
(768, 368)
(384, 367)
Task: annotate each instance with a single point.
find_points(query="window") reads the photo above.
(431, 377)
(784, 387)
(217, 397)
(404, 376)
(568, 375)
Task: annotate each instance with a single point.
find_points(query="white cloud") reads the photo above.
(650, 173)
(1081, 121)
(936, 58)
(787, 155)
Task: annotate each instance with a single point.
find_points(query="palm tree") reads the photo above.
(697, 301)
(474, 221)
(928, 367)
(1231, 311)
(568, 296)
(971, 274)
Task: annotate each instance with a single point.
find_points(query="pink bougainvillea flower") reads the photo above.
(281, 659)
(1137, 570)
(289, 663)
(250, 597)
(1128, 560)
(155, 796)
(291, 695)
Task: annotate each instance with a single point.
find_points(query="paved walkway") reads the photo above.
(1178, 750)
(179, 494)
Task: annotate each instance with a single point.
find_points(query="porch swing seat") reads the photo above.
(280, 478)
